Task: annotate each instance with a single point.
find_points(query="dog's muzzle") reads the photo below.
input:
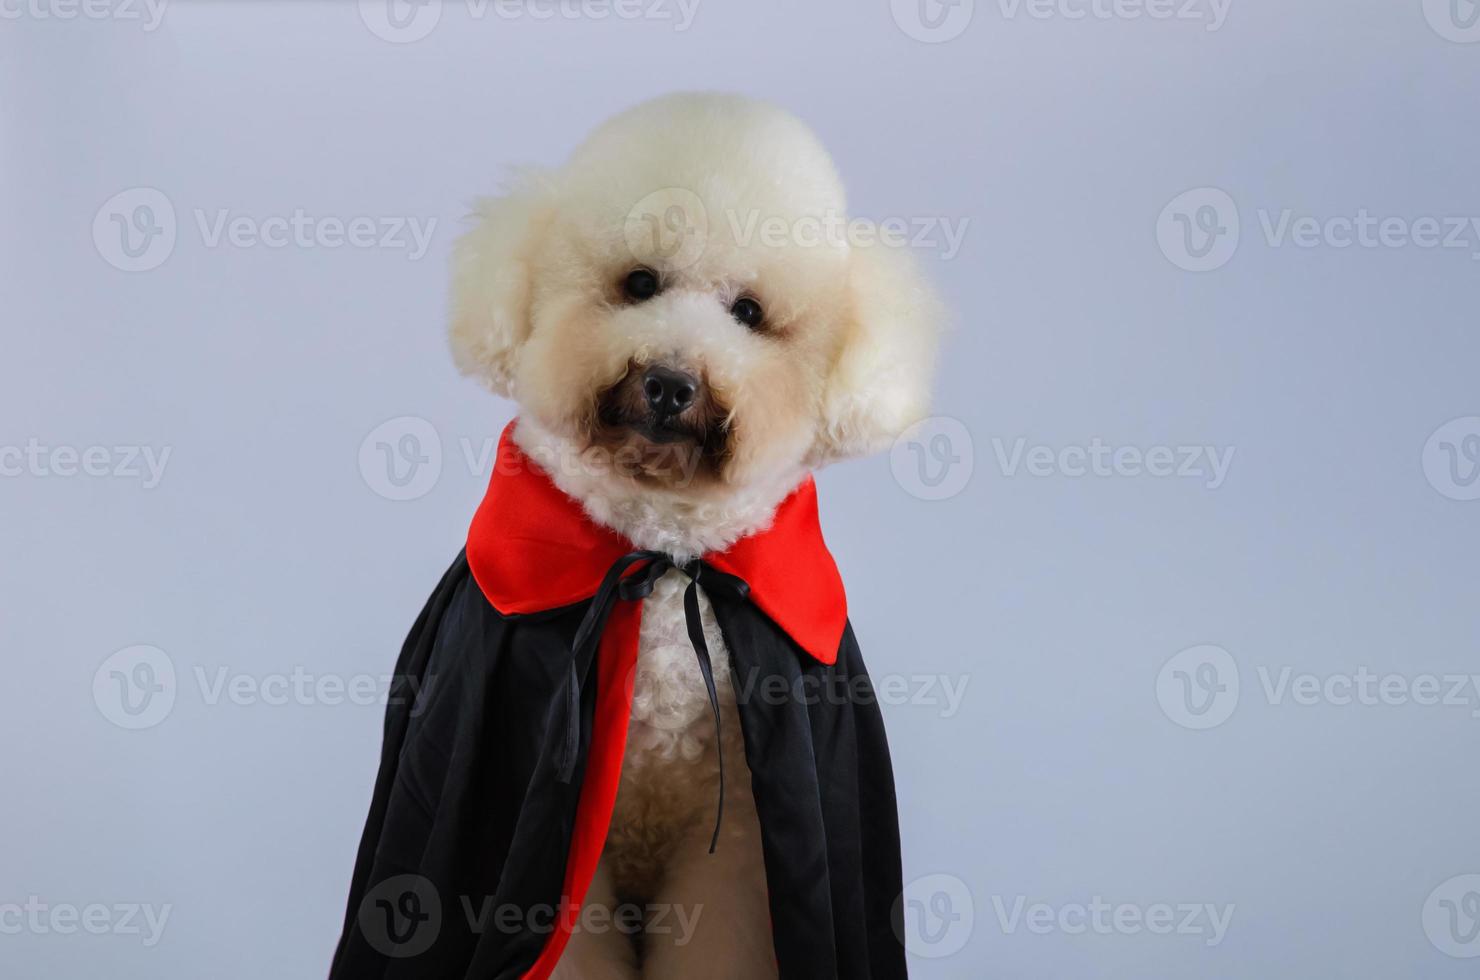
(665, 404)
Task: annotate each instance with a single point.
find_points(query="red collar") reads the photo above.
(532, 548)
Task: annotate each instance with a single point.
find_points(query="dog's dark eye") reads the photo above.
(748, 312)
(640, 284)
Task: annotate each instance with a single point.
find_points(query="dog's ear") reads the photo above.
(490, 304)
(880, 383)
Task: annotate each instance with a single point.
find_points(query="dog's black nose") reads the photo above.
(668, 391)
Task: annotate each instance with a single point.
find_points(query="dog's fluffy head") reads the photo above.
(691, 234)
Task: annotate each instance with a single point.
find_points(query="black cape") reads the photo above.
(462, 868)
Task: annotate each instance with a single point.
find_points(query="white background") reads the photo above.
(1066, 774)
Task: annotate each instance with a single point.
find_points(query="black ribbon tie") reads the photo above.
(618, 584)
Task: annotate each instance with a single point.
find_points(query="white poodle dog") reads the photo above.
(678, 296)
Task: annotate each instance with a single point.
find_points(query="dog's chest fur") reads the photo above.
(670, 773)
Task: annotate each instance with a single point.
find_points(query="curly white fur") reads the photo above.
(842, 368)
(671, 716)
(657, 849)
(681, 524)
